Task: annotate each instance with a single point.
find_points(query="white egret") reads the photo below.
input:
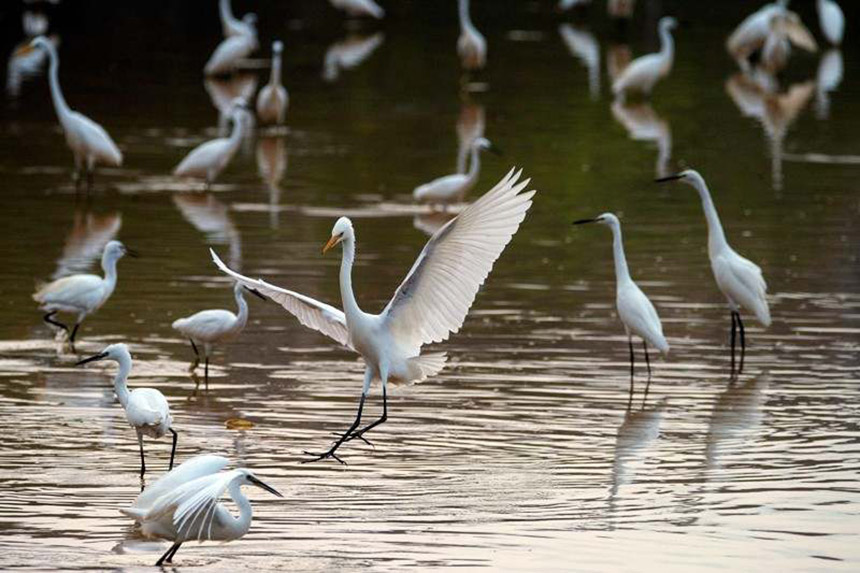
(349, 53)
(231, 52)
(471, 45)
(828, 78)
(82, 294)
(430, 304)
(184, 504)
(454, 187)
(751, 34)
(273, 99)
(832, 20)
(208, 160)
(739, 279)
(214, 326)
(359, 8)
(786, 29)
(644, 72)
(769, 29)
(232, 26)
(90, 143)
(634, 309)
(146, 409)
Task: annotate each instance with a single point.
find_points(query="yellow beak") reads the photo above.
(24, 50)
(331, 242)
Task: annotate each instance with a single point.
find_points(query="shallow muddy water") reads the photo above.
(521, 454)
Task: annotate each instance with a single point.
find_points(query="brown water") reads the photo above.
(521, 455)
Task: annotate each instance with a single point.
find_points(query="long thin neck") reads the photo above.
(716, 235)
(475, 164)
(109, 267)
(239, 526)
(226, 12)
(236, 135)
(242, 317)
(667, 45)
(622, 273)
(60, 105)
(119, 383)
(275, 77)
(350, 305)
(465, 19)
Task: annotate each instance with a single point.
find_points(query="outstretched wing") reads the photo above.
(190, 470)
(311, 313)
(435, 297)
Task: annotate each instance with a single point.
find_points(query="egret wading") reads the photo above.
(208, 160)
(739, 279)
(146, 409)
(272, 101)
(81, 294)
(184, 504)
(454, 187)
(644, 72)
(214, 326)
(90, 143)
(634, 309)
(430, 304)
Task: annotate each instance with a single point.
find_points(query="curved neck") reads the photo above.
(716, 236)
(350, 306)
(667, 45)
(242, 317)
(236, 135)
(239, 526)
(622, 273)
(275, 77)
(109, 267)
(119, 383)
(465, 19)
(60, 105)
(226, 10)
(475, 164)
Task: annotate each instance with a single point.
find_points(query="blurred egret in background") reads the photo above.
(430, 304)
(832, 20)
(828, 78)
(146, 409)
(208, 160)
(739, 279)
(471, 44)
(232, 26)
(644, 72)
(231, 52)
(184, 504)
(451, 188)
(359, 8)
(770, 30)
(272, 101)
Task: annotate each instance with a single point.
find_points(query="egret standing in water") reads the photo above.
(739, 279)
(215, 326)
(273, 99)
(454, 187)
(146, 409)
(230, 53)
(471, 44)
(208, 160)
(643, 73)
(184, 504)
(90, 143)
(430, 304)
(81, 294)
(634, 309)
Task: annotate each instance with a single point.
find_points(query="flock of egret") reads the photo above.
(433, 300)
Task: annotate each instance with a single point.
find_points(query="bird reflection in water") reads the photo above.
(212, 218)
(86, 241)
(830, 70)
(584, 46)
(272, 166)
(637, 433)
(429, 223)
(348, 54)
(643, 124)
(735, 418)
(225, 92)
(470, 126)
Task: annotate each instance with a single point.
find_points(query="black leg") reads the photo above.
(170, 552)
(173, 553)
(632, 360)
(331, 452)
(648, 363)
(206, 373)
(173, 449)
(74, 332)
(142, 460)
(734, 328)
(196, 362)
(49, 318)
(360, 434)
(743, 343)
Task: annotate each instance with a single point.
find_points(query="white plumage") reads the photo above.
(644, 72)
(146, 409)
(272, 101)
(771, 29)
(81, 294)
(832, 20)
(430, 304)
(359, 8)
(90, 143)
(348, 54)
(232, 26)
(184, 504)
(451, 188)
(471, 45)
(231, 52)
(208, 160)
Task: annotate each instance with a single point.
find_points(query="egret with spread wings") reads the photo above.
(430, 304)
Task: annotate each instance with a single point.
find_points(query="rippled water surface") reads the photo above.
(522, 454)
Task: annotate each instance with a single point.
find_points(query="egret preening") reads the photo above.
(471, 44)
(214, 326)
(634, 309)
(90, 143)
(232, 26)
(832, 20)
(273, 99)
(146, 409)
(207, 160)
(430, 304)
(81, 294)
(739, 279)
(454, 187)
(184, 504)
(359, 8)
(231, 52)
(644, 72)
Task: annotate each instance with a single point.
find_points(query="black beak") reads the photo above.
(669, 178)
(98, 356)
(255, 292)
(132, 253)
(584, 221)
(266, 487)
(495, 150)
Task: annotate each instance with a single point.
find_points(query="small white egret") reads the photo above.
(208, 160)
(146, 409)
(644, 72)
(273, 99)
(184, 504)
(450, 188)
(769, 29)
(751, 34)
(82, 294)
(359, 8)
(634, 309)
(214, 326)
(430, 304)
(90, 143)
(832, 20)
(739, 279)
(471, 45)
(231, 52)
(232, 26)
(786, 29)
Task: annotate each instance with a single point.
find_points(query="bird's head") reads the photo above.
(342, 230)
(607, 219)
(668, 23)
(116, 250)
(485, 144)
(277, 47)
(250, 18)
(689, 176)
(114, 352)
(248, 478)
(39, 42)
